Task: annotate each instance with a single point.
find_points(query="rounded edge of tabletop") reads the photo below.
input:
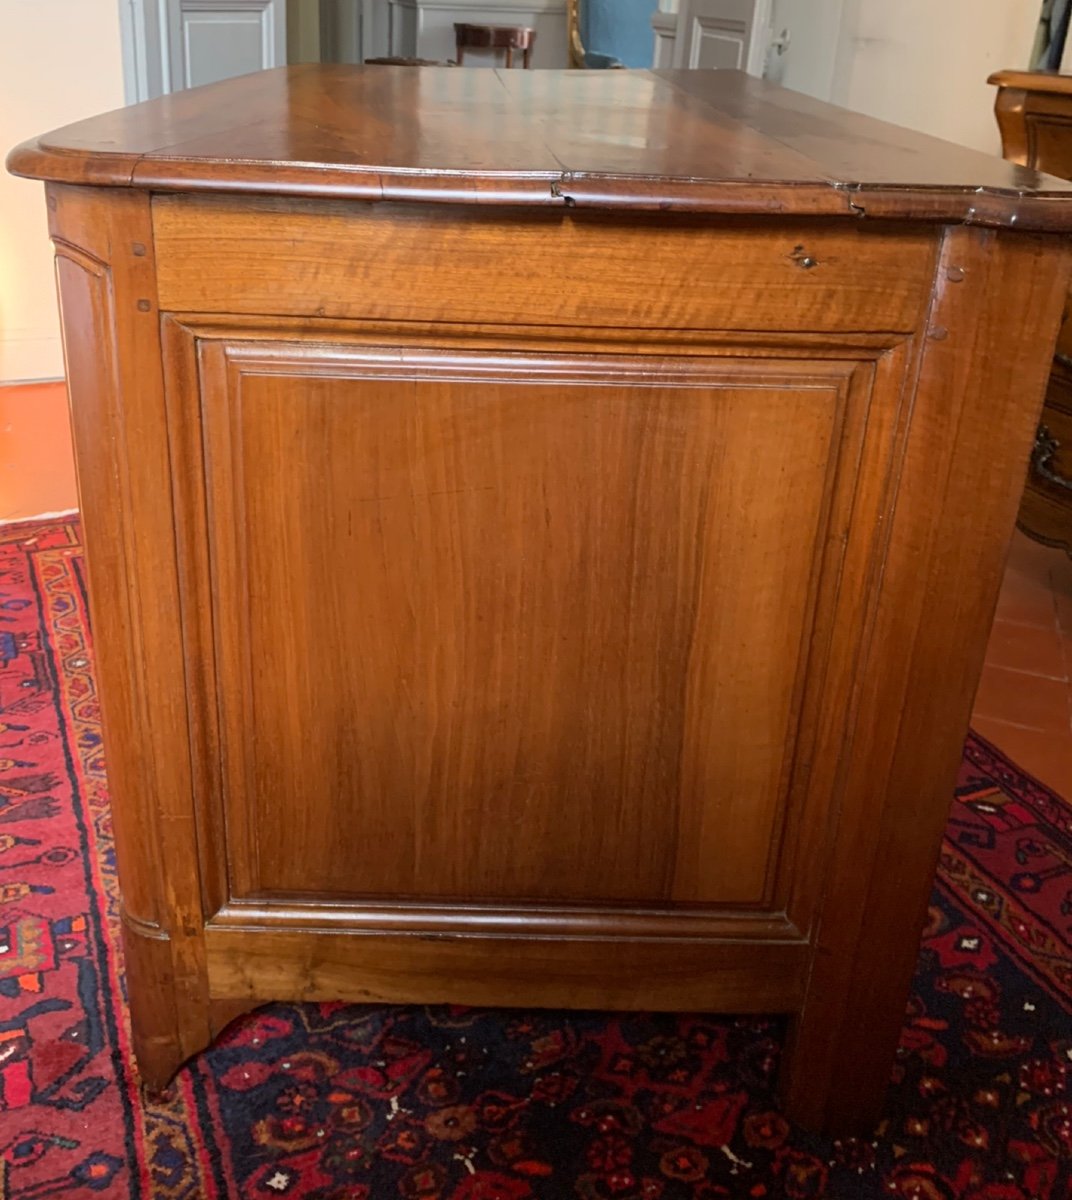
(1029, 208)
(34, 160)
(1032, 81)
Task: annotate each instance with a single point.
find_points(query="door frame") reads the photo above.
(756, 61)
(147, 34)
(139, 31)
(757, 52)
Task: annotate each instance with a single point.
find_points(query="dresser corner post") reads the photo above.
(984, 352)
(112, 346)
(154, 1023)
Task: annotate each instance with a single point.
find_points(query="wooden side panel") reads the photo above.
(111, 341)
(966, 437)
(534, 627)
(429, 263)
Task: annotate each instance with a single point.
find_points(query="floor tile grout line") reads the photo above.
(982, 715)
(1001, 666)
(1029, 624)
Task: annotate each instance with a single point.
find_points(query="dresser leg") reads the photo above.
(169, 1015)
(104, 256)
(158, 1048)
(158, 1060)
(836, 1096)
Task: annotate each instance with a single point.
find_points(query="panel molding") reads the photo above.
(1036, 123)
(473, 919)
(223, 373)
(705, 30)
(664, 33)
(269, 17)
(744, 23)
(155, 40)
(277, 346)
(296, 357)
(111, 343)
(94, 294)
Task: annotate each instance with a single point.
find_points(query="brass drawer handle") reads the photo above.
(1046, 446)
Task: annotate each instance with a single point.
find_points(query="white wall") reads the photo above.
(814, 29)
(919, 63)
(60, 60)
(924, 63)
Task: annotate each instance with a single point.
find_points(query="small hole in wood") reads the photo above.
(803, 259)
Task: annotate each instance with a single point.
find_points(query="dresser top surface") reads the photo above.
(1033, 81)
(699, 141)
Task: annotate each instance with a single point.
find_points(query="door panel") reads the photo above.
(717, 44)
(449, 669)
(722, 34)
(216, 39)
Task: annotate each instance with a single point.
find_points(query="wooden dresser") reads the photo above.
(543, 532)
(1034, 113)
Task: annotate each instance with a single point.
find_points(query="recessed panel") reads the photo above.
(510, 631)
(717, 45)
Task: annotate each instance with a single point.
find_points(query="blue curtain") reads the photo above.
(1053, 32)
(619, 29)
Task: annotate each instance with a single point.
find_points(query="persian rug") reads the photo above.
(342, 1102)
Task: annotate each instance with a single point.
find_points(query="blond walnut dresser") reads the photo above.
(543, 531)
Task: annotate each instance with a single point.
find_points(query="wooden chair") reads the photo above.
(579, 55)
(495, 37)
(1034, 113)
(573, 27)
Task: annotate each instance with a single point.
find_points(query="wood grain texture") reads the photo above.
(1036, 128)
(1052, 82)
(112, 349)
(709, 141)
(463, 586)
(344, 261)
(528, 972)
(933, 609)
(512, 918)
(594, 642)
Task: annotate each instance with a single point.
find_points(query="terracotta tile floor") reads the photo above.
(36, 468)
(1024, 703)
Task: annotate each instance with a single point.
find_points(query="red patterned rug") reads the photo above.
(338, 1102)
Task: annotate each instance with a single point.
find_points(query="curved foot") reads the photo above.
(156, 1097)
